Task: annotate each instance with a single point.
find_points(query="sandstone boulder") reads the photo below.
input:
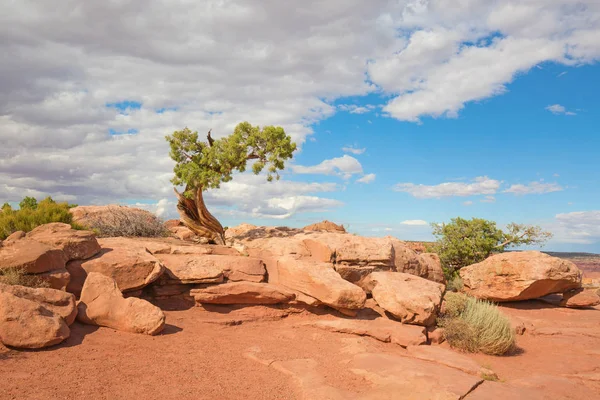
(356, 256)
(580, 298)
(59, 302)
(31, 256)
(172, 223)
(102, 304)
(77, 245)
(409, 298)
(325, 226)
(242, 293)
(407, 260)
(434, 271)
(321, 281)
(211, 268)
(519, 276)
(15, 236)
(58, 279)
(27, 324)
(187, 269)
(131, 267)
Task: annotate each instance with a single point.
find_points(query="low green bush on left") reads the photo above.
(32, 214)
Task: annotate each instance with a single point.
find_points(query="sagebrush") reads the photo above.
(32, 215)
(476, 325)
(125, 222)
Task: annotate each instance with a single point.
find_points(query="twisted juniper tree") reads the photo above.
(202, 165)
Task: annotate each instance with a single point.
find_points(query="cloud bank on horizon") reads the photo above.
(88, 90)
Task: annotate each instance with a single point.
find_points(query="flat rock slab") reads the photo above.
(131, 267)
(446, 357)
(186, 268)
(536, 387)
(76, 244)
(242, 293)
(31, 256)
(381, 329)
(399, 378)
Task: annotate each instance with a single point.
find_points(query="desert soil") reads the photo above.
(228, 353)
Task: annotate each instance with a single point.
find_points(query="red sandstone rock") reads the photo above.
(31, 256)
(519, 276)
(102, 304)
(77, 245)
(27, 324)
(59, 302)
(242, 293)
(409, 298)
(321, 281)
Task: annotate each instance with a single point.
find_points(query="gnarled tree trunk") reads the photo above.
(194, 215)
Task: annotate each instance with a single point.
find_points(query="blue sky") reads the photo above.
(514, 138)
(406, 112)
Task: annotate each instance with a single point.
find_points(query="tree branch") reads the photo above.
(210, 139)
(252, 156)
(510, 241)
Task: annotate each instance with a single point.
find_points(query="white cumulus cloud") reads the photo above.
(414, 222)
(368, 178)
(578, 227)
(480, 185)
(558, 109)
(534, 188)
(345, 166)
(353, 150)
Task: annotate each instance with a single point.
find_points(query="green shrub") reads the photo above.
(30, 217)
(18, 276)
(475, 325)
(455, 284)
(463, 242)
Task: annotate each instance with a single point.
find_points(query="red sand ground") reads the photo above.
(199, 356)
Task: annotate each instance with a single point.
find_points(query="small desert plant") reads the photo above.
(18, 276)
(33, 214)
(475, 325)
(126, 222)
(455, 284)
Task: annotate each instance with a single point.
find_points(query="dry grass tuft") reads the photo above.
(18, 276)
(476, 326)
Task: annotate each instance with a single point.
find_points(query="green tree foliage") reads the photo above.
(28, 202)
(6, 207)
(29, 217)
(464, 242)
(202, 165)
(206, 164)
